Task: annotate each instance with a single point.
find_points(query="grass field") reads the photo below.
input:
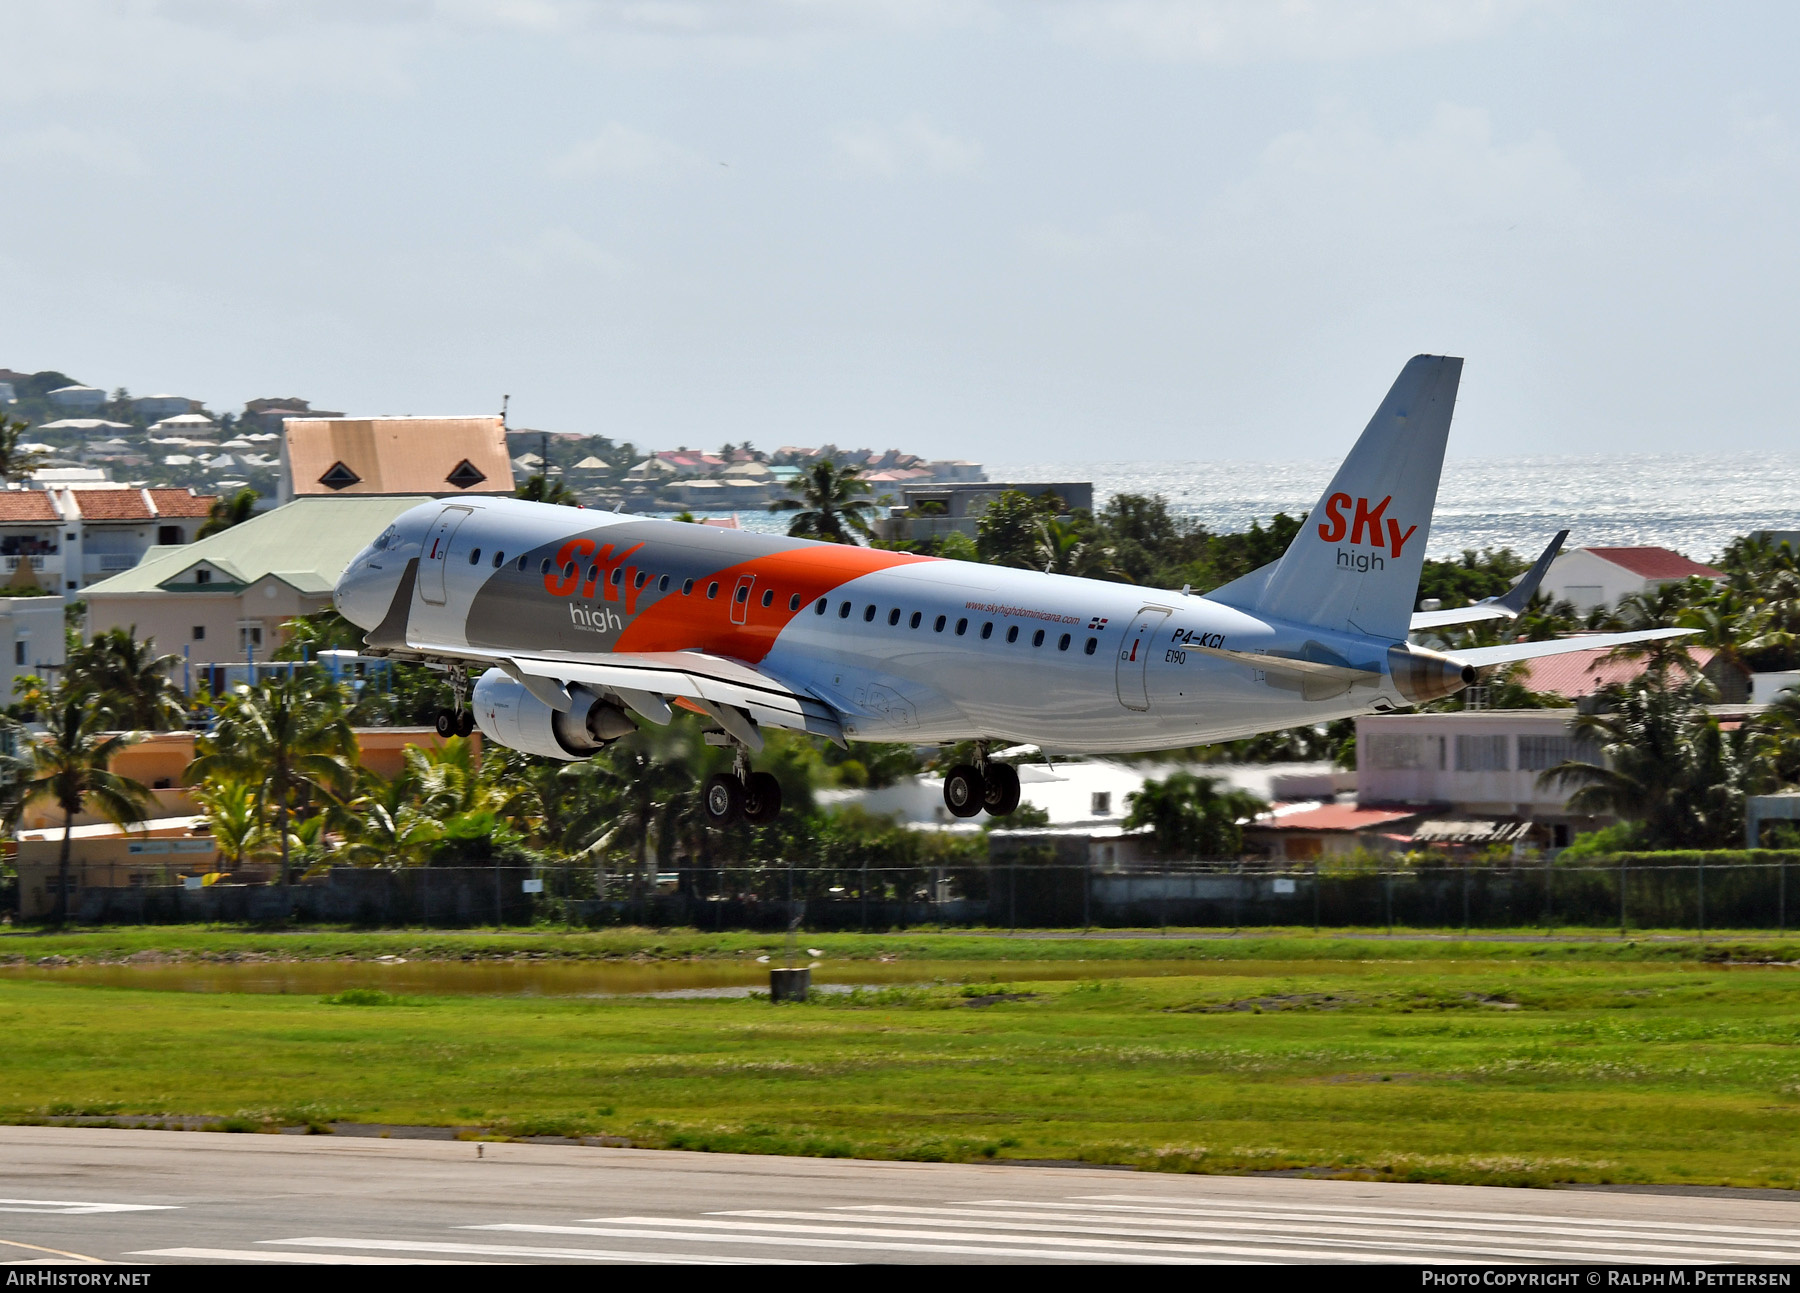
(1452, 1061)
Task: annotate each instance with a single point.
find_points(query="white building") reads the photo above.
(31, 639)
(78, 397)
(1477, 763)
(184, 424)
(163, 406)
(1599, 577)
(61, 540)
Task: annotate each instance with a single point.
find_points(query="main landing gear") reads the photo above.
(460, 720)
(971, 787)
(755, 797)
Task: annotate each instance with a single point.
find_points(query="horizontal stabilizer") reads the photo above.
(1508, 606)
(1482, 657)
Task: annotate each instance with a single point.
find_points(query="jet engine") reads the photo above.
(507, 713)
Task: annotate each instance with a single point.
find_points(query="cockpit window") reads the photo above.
(386, 537)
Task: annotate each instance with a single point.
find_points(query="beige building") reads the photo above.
(335, 457)
(224, 599)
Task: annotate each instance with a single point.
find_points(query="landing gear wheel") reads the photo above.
(762, 799)
(1002, 789)
(723, 801)
(465, 723)
(964, 790)
(446, 723)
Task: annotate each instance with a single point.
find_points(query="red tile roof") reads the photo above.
(1655, 563)
(26, 505)
(181, 502)
(133, 505)
(1336, 817)
(1582, 673)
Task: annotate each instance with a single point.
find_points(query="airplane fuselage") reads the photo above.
(901, 647)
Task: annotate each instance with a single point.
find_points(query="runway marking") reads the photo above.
(1341, 1238)
(674, 1228)
(1677, 1242)
(516, 1250)
(55, 1252)
(1199, 1207)
(292, 1259)
(65, 1208)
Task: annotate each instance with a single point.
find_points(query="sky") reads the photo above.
(1060, 230)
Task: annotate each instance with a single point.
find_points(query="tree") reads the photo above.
(830, 503)
(1668, 766)
(16, 463)
(1192, 816)
(391, 828)
(227, 512)
(541, 489)
(289, 737)
(126, 676)
(234, 816)
(1009, 531)
(70, 767)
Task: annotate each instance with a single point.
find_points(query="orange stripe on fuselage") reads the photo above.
(678, 623)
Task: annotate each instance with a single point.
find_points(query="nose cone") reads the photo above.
(364, 591)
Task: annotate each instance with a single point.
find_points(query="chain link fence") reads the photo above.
(1022, 895)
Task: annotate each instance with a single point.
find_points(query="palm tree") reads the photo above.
(830, 504)
(227, 512)
(69, 766)
(127, 676)
(1191, 816)
(234, 815)
(541, 489)
(391, 827)
(1668, 764)
(289, 736)
(15, 462)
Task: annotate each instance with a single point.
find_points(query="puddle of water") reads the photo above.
(612, 978)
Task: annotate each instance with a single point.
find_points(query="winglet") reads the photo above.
(1519, 596)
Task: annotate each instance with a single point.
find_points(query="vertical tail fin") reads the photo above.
(1355, 564)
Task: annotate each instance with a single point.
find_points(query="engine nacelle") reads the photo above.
(507, 713)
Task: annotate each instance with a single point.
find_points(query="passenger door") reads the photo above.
(436, 553)
(1134, 657)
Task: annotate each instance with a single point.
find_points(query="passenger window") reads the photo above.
(569, 571)
(916, 617)
(499, 560)
(524, 557)
(544, 568)
(1091, 644)
(618, 575)
(1062, 643)
(962, 627)
(820, 608)
(1012, 633)
(869, 613)
(687, 586)
(768, 596)
(844, 611)
(712, 589)
(939, 626)
(987, 630)
(743, 593)
(1037, 639)
(662, 585)
(893, 617)
(642, 575)
(593, 574)
(474, 556)
(794, 602)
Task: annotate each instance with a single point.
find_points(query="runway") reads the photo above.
(145, 1197)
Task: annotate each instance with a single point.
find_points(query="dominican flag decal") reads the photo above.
(1098, 622)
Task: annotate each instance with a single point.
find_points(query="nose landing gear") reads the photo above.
(970, 788)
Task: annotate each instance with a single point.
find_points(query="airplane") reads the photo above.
(586, 624)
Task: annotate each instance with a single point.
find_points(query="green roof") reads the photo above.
(305, 544)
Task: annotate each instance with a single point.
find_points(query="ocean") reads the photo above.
(1693, 503)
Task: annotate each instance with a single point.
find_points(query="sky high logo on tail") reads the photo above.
(1363, 527)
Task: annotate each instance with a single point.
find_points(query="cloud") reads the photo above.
(914, 144)
(65, 147)
(1253, 31)
(562, 248)
(619, 150)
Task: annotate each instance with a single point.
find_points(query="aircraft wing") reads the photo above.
(1505, 607)
(737, 696)
(1506, 653)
